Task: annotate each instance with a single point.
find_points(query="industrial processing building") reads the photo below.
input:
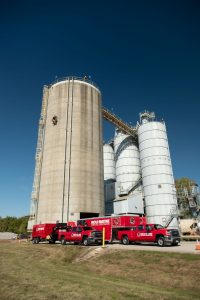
(76, 176)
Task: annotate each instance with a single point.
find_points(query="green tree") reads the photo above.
(184, 183)
(13, 224)
(184, 189)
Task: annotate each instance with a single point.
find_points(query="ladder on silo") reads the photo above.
(169, 220)
(119, 123)
(38, 157)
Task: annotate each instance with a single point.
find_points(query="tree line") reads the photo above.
(14, 224)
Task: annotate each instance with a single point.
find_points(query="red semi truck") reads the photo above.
(133, 229)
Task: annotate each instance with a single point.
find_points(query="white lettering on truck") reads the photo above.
(76, 234)
(100, 222)
(144, 234)
(40, 228)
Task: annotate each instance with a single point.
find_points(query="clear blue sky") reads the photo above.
(142, 54)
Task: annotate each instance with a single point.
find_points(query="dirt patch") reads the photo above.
(91, 253)
(8, 241)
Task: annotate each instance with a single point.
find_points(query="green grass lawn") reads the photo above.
(55, 272)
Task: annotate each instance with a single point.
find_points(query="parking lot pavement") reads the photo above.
(183, 247)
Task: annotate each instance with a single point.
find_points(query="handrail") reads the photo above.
(118, 122)
(84, 79)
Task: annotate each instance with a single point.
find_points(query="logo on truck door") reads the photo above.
(116, 221)
(144, 234)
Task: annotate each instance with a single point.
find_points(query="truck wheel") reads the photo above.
(37, 240)
(161, 241)
(125, 240)
(33, 241)
(52, 242)
(63, 241)
(175, 244)
(85, 241)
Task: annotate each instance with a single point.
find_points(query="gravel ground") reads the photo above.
(7, 235)
(183, 247)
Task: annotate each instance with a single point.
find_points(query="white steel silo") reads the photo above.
(109, 162)
(71, 179)
(127, 162)
(109, 177)
(157, 176)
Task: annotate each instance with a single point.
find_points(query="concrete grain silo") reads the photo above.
(70, 180)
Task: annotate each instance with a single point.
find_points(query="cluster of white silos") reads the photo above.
(122, 175)
(143, 172)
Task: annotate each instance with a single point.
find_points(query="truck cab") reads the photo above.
(152, 233)
(80, 234)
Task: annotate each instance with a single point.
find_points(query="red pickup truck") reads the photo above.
(150, 233)
(80, 234)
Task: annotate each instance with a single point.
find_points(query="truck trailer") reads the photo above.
(133, 229)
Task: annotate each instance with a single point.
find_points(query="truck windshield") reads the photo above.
(148, 227)
(87, 228)
(158, 226)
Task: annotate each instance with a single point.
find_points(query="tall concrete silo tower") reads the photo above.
(68, 182)
(157, 174)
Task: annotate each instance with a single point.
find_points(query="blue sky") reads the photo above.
(142, 54)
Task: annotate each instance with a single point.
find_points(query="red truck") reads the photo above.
(130, 228)
(153, 233)
(65, 232)
(44, 232)
(80, 235)
(113, 224)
